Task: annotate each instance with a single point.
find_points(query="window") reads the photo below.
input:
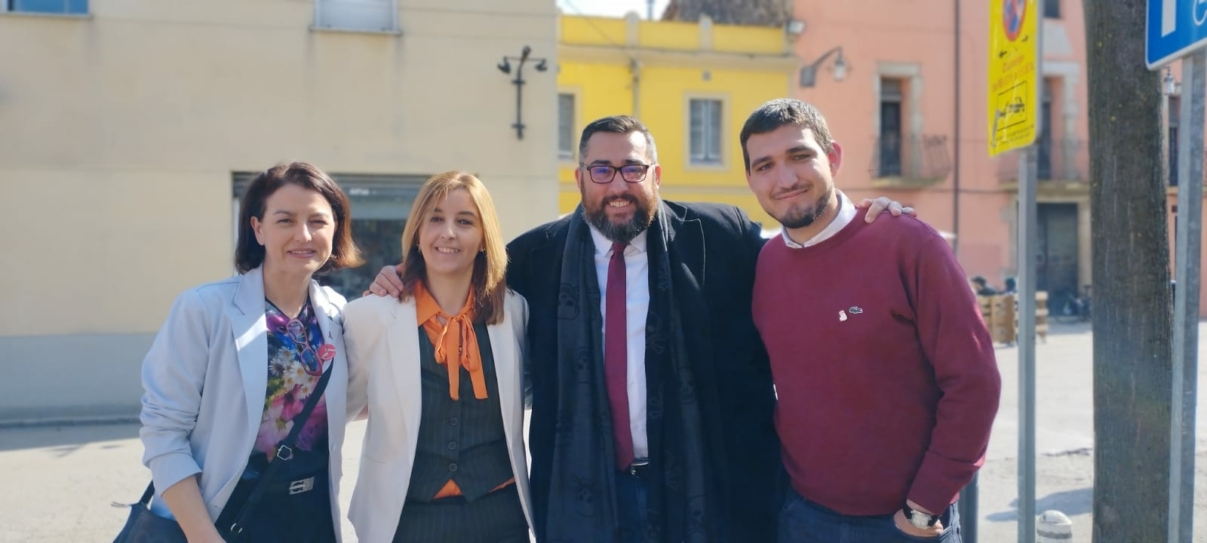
(890, 128)
(1052, 9)
(1043, 147)
(565, 126)
(382, 204)
(1175, 108)
(66, 7)
(356, 15)
(705, 134)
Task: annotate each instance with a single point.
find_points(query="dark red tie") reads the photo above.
(616, 347)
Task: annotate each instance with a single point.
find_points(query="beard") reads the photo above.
(643, 215)
(800, 218)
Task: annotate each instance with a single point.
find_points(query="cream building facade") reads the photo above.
(127, 128)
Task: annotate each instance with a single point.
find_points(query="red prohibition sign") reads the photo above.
(1013, 13)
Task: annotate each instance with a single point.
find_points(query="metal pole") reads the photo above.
(1027, 243)
(969, 529)
(968, 505)
(1186, 299)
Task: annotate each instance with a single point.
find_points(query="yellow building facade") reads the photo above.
(692, 84)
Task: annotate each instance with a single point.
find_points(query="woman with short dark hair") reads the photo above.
(247, 378)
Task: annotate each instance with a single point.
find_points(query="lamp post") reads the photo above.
(518, 81)
(808, 74)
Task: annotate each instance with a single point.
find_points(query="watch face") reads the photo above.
(919, 520)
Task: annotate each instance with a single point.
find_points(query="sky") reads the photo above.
(610, 8)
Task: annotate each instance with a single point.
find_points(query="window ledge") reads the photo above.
(43, 15)
(707, 166)
(337, 30)
(905, 182)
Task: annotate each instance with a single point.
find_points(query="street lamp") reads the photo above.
(505, 67)
(808, 74)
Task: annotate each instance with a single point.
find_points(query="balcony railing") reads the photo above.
(1056, 161)
(916, 161)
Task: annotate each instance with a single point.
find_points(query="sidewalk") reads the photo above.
(59, 481)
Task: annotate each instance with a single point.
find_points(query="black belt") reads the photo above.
(640, 469)
(296, 486)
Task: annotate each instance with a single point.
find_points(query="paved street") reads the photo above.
(1064, 439)
(59, 481)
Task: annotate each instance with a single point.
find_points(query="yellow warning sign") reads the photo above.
(1013, 74)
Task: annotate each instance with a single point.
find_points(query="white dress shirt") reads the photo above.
(846, 214)
(637, 303)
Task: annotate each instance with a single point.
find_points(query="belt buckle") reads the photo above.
(301, 485)
(637, 465)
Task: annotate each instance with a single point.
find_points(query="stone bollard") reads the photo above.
(1053, 527)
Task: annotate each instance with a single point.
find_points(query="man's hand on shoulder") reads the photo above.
(387, 283)
(877, 205)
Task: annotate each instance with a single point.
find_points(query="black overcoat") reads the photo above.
(718, 246)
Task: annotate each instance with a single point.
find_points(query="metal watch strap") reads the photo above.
(910, 512)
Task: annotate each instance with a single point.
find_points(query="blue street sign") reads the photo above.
(1175, 27)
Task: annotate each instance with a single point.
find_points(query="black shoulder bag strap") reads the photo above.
(284, 454)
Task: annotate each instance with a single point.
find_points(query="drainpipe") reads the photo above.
(969, 497)
(955, 177)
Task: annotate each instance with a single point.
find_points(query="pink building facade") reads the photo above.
(913, 123)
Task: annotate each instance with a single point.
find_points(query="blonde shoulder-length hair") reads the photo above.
(489, 281)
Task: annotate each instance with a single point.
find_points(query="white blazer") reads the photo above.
(205, 379)
(383, 350)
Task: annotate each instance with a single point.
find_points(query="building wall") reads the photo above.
(122, 130)
(915, 43)
(741, 66)
(1175, 71)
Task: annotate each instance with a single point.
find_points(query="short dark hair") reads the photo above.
(786, 111)
(617, 124)
(249, 254)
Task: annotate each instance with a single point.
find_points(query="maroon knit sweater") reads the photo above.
(885, 372)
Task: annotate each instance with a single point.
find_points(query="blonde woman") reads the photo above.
(443, 457)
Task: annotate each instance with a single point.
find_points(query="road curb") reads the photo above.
(69, 421)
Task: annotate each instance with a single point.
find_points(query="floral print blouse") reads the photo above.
(294, 368)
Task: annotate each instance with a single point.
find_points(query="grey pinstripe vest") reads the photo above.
(462, 440)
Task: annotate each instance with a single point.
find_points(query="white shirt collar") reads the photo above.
(603, 245)
(846, 214)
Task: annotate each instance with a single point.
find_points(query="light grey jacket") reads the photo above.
(205, 380)
(383, 348)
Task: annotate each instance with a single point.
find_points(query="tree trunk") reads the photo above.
(1133, 310)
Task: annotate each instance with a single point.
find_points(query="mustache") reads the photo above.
(793, 188)
(625, 197)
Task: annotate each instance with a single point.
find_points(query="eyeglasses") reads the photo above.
(605, 173)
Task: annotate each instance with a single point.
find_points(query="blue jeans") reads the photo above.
(632, 500)
(803, 521)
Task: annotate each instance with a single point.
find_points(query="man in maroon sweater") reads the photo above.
(885, 372)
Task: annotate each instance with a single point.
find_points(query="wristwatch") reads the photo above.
(919, 519)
